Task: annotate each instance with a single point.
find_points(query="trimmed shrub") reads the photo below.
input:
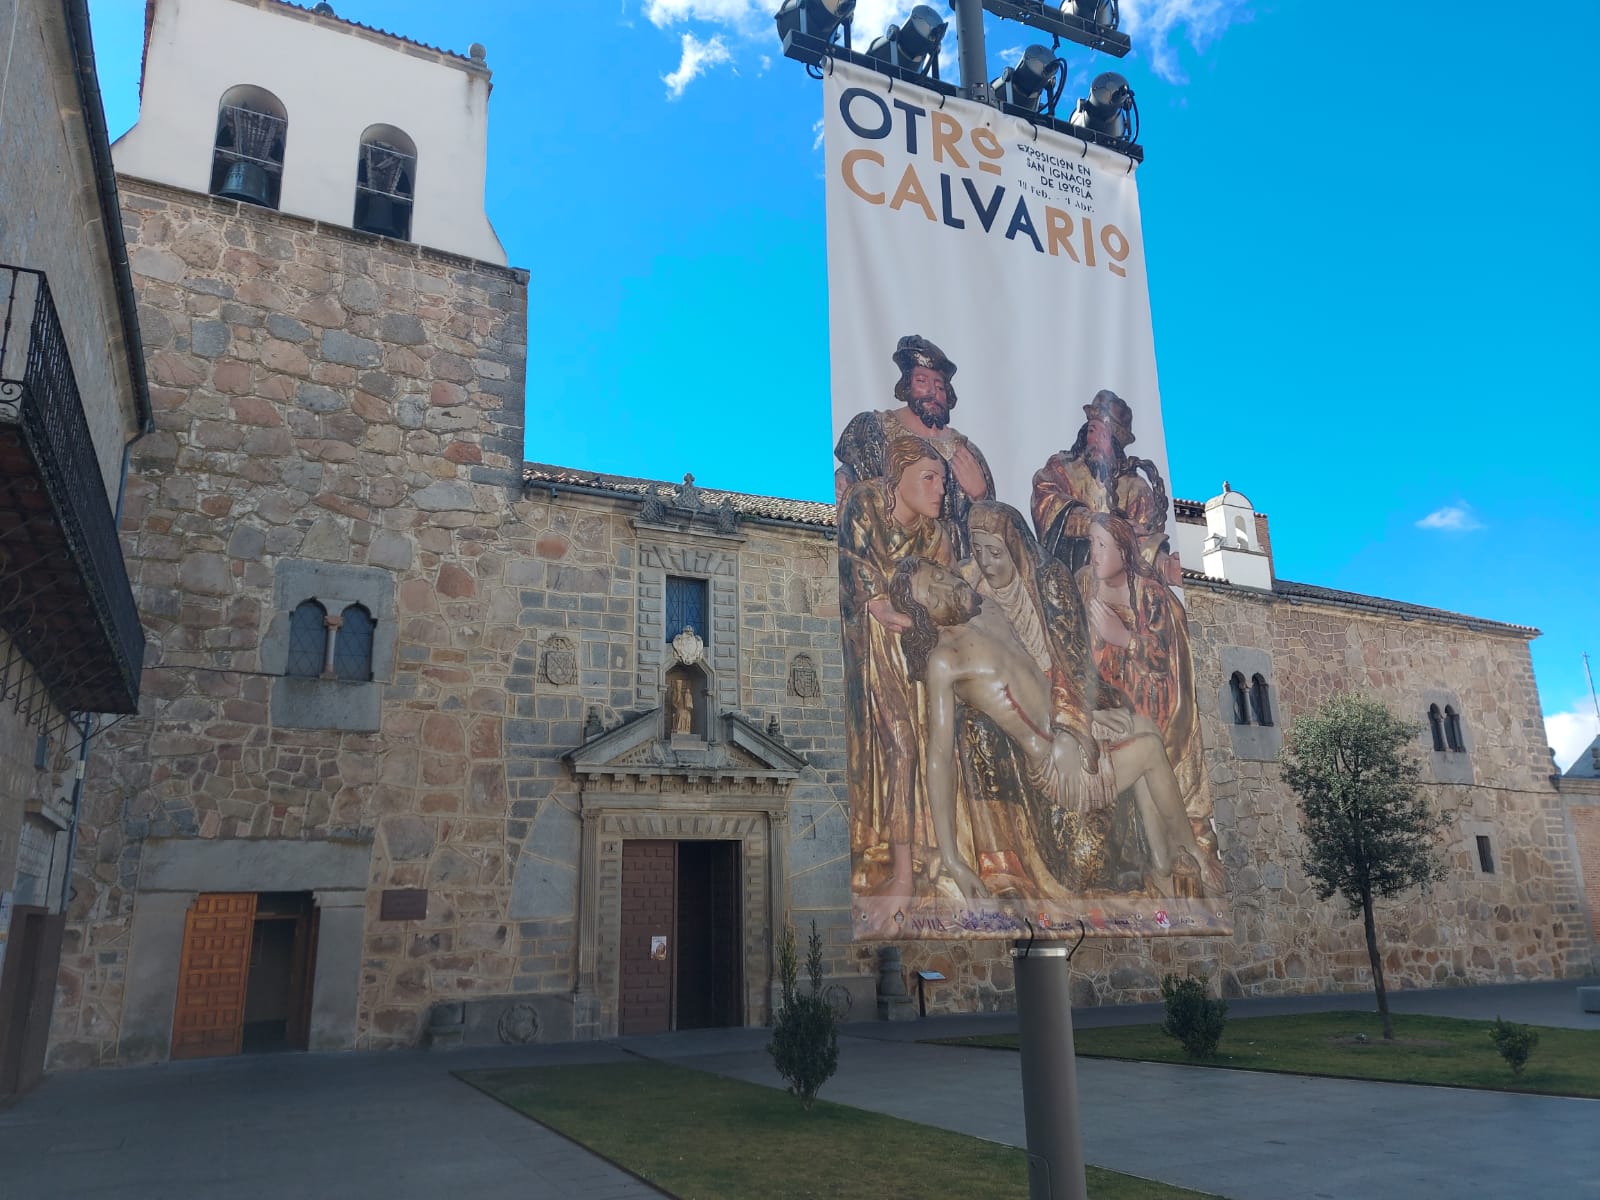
(1515, 1043)
(805, 1037)
(1194, 1018)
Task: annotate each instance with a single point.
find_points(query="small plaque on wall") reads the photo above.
(403, 904)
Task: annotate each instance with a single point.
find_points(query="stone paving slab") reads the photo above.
(379, 1126)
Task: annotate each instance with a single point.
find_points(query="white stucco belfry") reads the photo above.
(335, 80)
(1233, 550)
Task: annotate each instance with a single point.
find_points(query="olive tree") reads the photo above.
(1369, 833)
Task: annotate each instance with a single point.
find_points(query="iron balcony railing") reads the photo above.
(65, 600)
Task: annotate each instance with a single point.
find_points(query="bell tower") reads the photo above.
(296, 109)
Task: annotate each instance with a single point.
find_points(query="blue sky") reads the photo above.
(1372, 256)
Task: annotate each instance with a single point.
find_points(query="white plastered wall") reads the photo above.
(334, 82)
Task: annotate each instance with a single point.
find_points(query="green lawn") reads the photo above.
(702, 1137)
(1438, 1050)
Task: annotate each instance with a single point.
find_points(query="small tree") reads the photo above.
(1193, 1016)
(1369, 833)
(1515, 1043)
(805, 1037)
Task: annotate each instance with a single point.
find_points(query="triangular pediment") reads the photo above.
(641, 747)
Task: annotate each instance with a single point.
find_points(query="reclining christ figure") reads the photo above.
(962, 652)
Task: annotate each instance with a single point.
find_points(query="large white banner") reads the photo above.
(1024, 742)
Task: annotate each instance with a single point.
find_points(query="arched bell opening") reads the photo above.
(386, 180)
(247, 154)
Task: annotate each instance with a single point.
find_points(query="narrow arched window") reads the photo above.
(308, 640)
(1436, 726)
(247, 156)
(1260, 704)
(352, 645)
(1452, 729)
(1241, 533)
(1241, 709)
(386, 177)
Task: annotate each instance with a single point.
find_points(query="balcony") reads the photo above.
(65, 601)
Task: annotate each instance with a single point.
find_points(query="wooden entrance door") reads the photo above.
(682, 930)
(649, 901)
(710, 966)
(209, 1018)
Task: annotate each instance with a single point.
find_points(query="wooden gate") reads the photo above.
(209, 1018)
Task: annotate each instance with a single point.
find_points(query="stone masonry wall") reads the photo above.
(50, 217)
(320, 395)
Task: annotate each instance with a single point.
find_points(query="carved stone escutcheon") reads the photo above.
(560, 662)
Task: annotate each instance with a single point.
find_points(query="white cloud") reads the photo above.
(698, 57)
(739, 14)
(1152, 23)
(816, 142)
(1456, 518)
(1569, 733)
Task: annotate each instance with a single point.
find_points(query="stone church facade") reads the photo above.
(428, 751)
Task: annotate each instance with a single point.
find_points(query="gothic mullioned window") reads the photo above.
(1260, 702)
(1241, 707)
(352, 645)
(308, 640)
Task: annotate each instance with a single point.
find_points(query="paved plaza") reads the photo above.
(399, 1125)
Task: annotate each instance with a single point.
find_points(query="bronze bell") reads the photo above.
(382, 214)
(247, 182)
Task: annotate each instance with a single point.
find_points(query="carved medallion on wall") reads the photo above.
(803, 680)
(688, 647)
(560, 662)
(518, 1025)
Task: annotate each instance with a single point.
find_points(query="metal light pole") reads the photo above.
(974, 58)
(1043, 973)
(1049, 1071)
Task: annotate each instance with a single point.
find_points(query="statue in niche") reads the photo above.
(680, 706)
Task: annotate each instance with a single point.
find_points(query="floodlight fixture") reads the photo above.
(1109, 110)
(913, 46)
(816, 18)
(1101, 13)
(1034, 83)
(1091, 23)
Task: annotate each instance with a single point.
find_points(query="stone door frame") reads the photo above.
(760, 824)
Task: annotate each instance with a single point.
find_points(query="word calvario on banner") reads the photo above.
(1024, 739)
